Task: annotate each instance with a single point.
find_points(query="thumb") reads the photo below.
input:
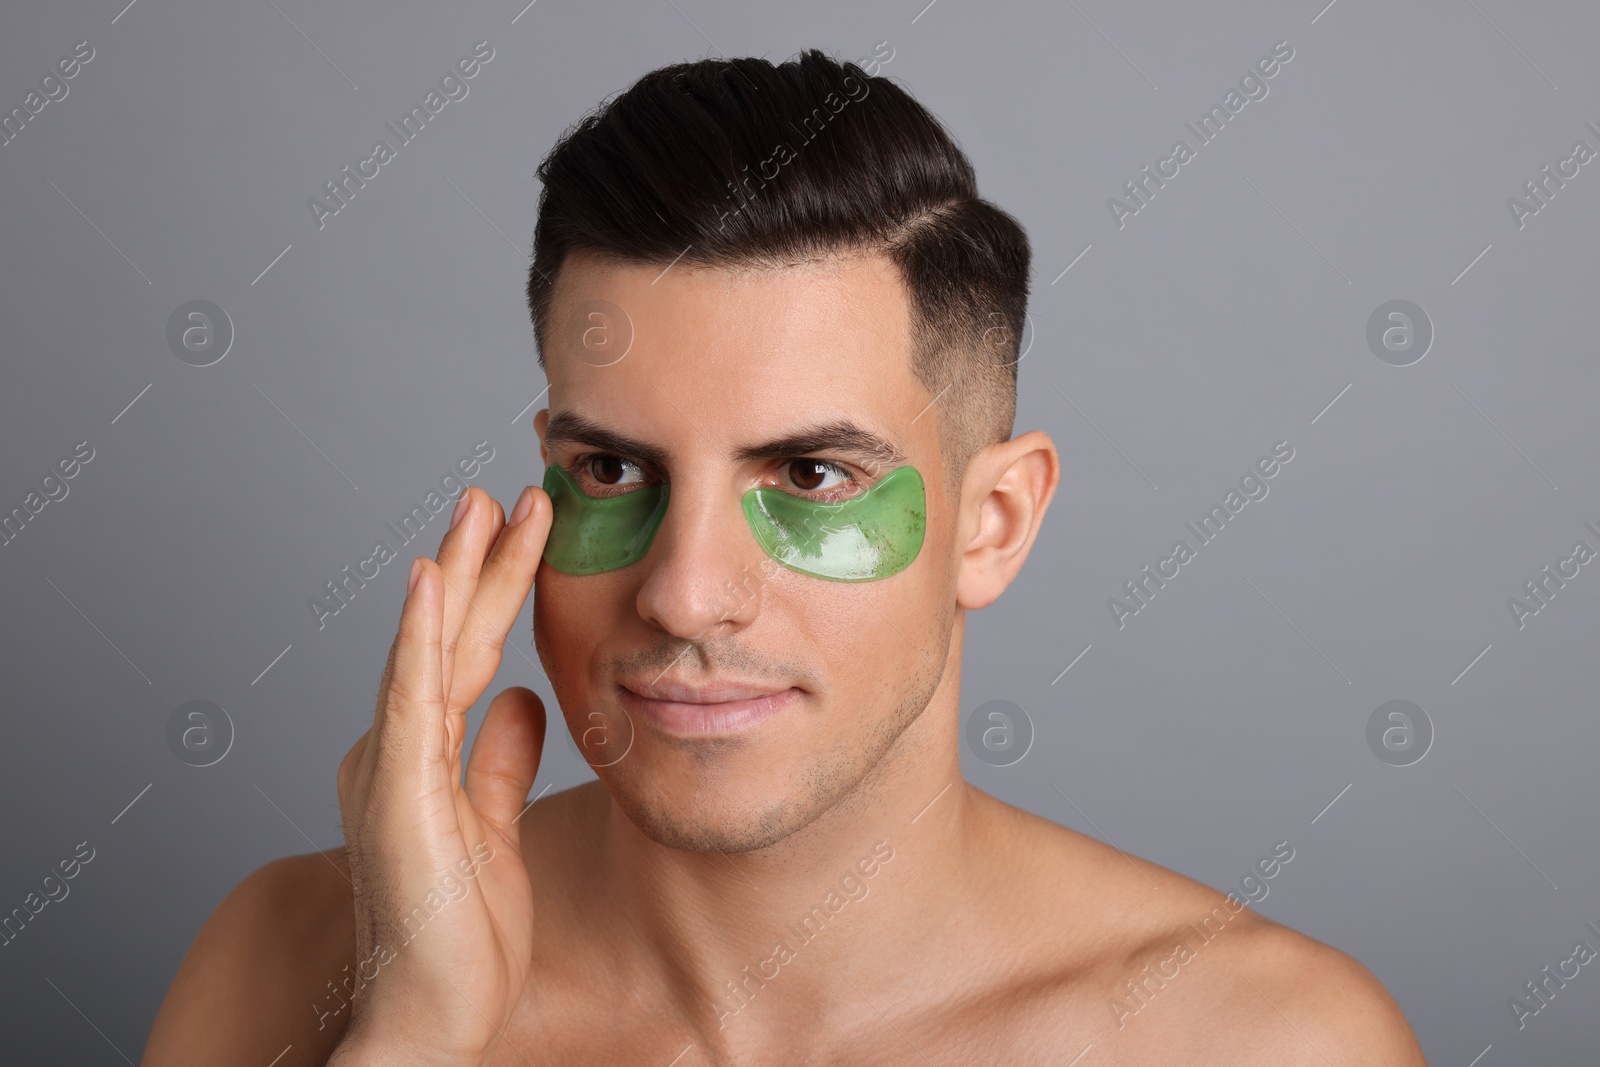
(505, 757)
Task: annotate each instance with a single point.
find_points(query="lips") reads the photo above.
(719, 708)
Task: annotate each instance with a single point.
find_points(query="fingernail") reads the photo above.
(524, 505)
(416, 572)
(461, 509)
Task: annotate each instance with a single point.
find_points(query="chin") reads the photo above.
(727, 829)
(700, 809)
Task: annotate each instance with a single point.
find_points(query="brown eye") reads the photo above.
(811, 475)
(610, 470)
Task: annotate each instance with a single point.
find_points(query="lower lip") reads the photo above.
(705, 720)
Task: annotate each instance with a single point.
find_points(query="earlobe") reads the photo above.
(1005, 495)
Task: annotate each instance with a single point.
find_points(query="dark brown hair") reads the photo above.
(746, 163)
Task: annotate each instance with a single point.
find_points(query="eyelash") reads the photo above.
(578, 468)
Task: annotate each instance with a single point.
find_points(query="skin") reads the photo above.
(611, 915)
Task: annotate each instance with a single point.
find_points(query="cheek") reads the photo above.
(572, 617)
(868, 639)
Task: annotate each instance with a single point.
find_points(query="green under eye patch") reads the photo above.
(862, 539)
(870, 536)
(590, 534)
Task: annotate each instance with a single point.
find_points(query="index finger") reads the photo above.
(503, 587)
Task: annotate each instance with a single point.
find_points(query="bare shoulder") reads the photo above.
(261, 974)
(1149, 965)
(273, 968)
(1307, 1002)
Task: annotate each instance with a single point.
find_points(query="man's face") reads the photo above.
(716, 365)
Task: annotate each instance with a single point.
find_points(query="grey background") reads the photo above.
(1224, 317)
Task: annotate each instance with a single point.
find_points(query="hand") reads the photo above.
(443, 970)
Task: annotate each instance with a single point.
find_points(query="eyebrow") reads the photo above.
(841, 436)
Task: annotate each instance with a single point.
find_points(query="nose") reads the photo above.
(704, 576)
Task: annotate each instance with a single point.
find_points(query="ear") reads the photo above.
(1004, 495)
(540, 421)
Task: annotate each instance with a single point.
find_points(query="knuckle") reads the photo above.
(487, 639)
(350, 766)
(404, 699)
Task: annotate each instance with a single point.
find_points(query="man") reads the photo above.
(781, 334)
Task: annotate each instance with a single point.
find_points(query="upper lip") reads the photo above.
(713, 692)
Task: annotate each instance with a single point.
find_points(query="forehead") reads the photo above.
(688, 356)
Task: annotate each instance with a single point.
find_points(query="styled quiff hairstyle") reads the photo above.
(742, 163)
